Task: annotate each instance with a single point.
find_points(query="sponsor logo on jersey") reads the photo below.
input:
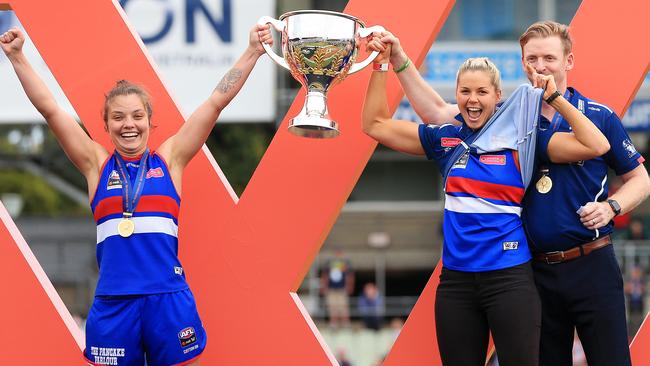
(510, 245)
(187, 336)
(155, 173)
(449, 141)
(114, 181)
(631, 150)
(178, 270)
(493, 159)
(107, 356)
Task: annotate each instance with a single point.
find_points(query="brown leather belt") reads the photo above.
(573, 253)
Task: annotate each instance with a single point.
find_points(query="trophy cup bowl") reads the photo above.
(319, 48)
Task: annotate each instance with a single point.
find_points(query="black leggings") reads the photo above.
(505, 302)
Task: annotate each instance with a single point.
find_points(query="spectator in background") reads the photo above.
(635, 230)
(337, 283)
(635, 294)
(371, 306)
(396, 325)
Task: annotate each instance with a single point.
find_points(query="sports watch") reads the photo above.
(615, 207)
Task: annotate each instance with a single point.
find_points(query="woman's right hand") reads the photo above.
(390, 47)
(376, 45)
(395, 54)
(12, 41)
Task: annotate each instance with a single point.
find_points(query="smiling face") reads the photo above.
(477, 97)
(128, 124)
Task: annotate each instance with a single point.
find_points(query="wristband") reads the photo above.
(379, 67)
(550, 99)
(404, 66)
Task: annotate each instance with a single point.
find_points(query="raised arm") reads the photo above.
(84, 153)
(376, 119)
(426, 102)
(586, 142)
(180, 148)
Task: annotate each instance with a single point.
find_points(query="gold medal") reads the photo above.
(544, 184)
(126, 227)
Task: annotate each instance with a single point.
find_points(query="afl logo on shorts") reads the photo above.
(187, 336)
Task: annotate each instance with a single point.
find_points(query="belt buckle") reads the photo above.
(554, 253)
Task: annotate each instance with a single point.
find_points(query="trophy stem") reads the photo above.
(316, 104)
(313, 120)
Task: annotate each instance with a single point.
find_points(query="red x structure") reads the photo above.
(246, 257)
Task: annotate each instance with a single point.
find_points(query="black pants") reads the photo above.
(585, 294)
(469, 305)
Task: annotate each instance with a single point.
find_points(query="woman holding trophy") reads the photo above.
(486, 284)
(143, 306)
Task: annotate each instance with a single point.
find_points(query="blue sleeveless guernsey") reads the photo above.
(147, 261)
(486, 173)
(483, 193)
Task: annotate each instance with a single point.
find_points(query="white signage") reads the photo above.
(193, 43)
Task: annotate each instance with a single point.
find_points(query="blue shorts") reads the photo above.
(163, 328)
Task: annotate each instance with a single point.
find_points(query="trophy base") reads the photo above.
(313, 127)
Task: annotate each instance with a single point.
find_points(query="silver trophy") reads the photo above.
(319, 48)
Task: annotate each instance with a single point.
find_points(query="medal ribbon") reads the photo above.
(131, 195)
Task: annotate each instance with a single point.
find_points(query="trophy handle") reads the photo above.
(279, 26)
(363, 33)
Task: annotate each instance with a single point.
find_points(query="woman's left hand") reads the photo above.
(258, 35)
(595, 215)
(546, 82)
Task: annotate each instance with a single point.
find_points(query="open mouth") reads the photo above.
(129, 135)
(474, 113)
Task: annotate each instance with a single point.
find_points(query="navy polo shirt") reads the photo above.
(550, 219)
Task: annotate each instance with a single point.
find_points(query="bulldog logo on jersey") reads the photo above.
(187, 336)
(461, 163)
(114, 181)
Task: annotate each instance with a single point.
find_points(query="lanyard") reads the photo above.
(131, 195)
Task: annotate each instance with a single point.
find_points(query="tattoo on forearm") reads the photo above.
(229, 80)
